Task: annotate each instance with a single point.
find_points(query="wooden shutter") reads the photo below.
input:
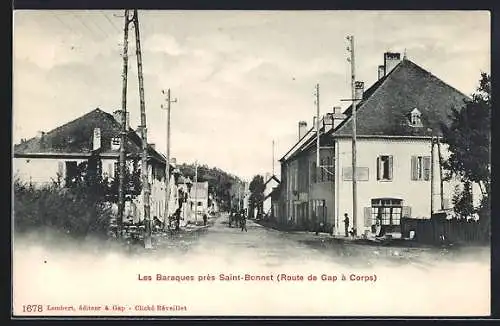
(110, 170)
(390, 167)
(406, 212)
(378, 168)
(60, 168)
(368, 216)
(427, 167)
(414, 172)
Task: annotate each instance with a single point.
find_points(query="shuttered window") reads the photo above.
(313, 172)
(420, 168)
(385, 167)
(60, 169)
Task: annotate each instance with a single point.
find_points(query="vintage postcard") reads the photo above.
(251, 163)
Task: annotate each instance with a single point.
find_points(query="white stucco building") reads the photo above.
(397, 173)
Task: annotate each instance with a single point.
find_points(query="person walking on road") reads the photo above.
(243, 223)
(204, 219)
(346, 224)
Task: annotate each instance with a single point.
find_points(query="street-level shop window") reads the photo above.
(387, 210)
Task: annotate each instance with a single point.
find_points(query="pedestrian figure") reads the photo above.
(204, 219)
(243, 223)
(346, 224)
(177, 219)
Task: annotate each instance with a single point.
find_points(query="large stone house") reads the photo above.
(396, 120)
(56, 154)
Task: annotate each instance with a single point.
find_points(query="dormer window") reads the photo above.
(415, 118)
(115, 143)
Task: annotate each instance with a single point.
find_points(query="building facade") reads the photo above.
(55, 156)
(397, 156)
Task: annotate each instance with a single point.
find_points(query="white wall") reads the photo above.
(415, 194)
(39, 171)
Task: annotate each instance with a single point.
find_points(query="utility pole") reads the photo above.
(440, 172)
(432, 175)
(317, 126)
(167, 168)
(123, 134)
(354, 172)
(239, 197)
(144, 169)
(196, 192)
(273, 157)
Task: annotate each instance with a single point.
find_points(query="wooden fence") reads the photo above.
(439, 230)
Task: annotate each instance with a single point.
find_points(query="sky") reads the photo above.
(242, 79)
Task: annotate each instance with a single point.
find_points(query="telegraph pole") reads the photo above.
(167, 168)
(354, 174)
(317, 126)
(273, 156)
(144, 168)
(123, 134)
(196, 192)
(239, 197)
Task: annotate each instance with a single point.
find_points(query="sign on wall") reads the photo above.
(361, 174)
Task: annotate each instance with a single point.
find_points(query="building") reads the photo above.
(198, 198)
(55, 155)
(396, 120)
(271, 183)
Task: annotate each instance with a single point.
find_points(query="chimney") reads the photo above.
(152, 145)
(391, 59)
(359, 88)
(328, 121)
(338, 116)
(302, 129)
(381, 71)
(41, 137)
(96, 139)
(173, 161)
(118, 117)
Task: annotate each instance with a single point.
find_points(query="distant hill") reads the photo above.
(220, 183)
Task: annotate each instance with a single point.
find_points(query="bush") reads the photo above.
(77, 211)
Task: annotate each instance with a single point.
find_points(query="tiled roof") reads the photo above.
(386, 105)
(77, 137)
(385, 108)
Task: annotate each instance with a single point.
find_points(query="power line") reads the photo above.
(85, 25)
(110, 22)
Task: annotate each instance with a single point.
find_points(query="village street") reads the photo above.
(274, 248)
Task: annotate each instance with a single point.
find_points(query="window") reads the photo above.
(313, 173)
(388, 210)
(72, 173)
(115, 143)
(326, 169)
(200, 203)
(384, 167)
(420, 168)
(415, 120)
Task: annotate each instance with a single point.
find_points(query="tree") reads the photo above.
(256, 200)
(220, 183)
(468, 137)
